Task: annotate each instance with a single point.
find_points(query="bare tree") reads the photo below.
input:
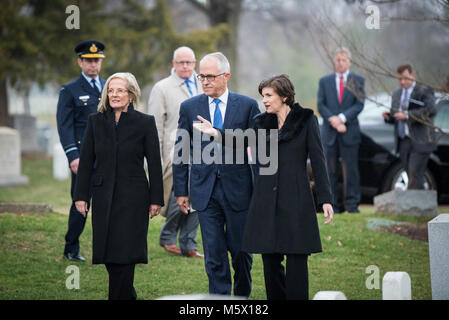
(371, 60)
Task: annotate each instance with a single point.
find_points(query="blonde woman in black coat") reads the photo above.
(117, 140)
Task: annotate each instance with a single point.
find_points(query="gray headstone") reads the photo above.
(419, 203)
(439, 256)
(10, 161)
(26, 125)
(25, 207)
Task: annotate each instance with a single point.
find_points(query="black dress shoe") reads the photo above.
(354, 210)
(74, 257)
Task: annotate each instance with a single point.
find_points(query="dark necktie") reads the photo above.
(401, 123)
(94, 85)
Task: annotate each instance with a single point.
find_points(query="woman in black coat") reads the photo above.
(282, 218)
(117, 140)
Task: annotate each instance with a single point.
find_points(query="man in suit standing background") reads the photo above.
(340, 100)
(412, 112)
(77, 100)
(164, 102)
(220, 192)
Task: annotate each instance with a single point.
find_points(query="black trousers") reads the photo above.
(349, 155)
(121, 281)
(75, 224)
(414, 163)
(291, 283)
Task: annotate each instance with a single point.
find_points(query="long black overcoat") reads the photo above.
(282, 216)
(121, 194)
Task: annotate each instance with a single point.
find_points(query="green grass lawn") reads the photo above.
(31, 247)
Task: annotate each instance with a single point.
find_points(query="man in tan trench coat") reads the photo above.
(164, 102)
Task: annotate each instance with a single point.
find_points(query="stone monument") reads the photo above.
(26, 125)
(10, 161)
(420, 203)
(439, 256)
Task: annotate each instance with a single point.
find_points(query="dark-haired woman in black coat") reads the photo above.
(282, 218)
(117, 140)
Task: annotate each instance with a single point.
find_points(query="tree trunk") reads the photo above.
(4, 117)
(26, 101)
(228, 12)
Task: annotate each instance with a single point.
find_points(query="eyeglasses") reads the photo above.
(209, 77)
(188, 63)
(120, 92)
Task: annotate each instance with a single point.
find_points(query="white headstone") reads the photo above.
(329, 295)
(396, 286)
(10, 161)
(60, 165)
(439, 256)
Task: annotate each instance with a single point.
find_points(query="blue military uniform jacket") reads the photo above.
(77, 100)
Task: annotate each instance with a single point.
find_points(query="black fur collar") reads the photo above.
(294, 123)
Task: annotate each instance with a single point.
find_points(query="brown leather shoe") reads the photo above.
(193, 254)
(172, 249)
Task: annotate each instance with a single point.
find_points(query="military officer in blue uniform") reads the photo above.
(77, 100)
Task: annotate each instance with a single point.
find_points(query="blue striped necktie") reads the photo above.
(187, 81)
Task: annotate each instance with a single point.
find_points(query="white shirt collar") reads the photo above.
(97, 79)
(181, 80)
(223, 98)
(409, 90)
(345, 75)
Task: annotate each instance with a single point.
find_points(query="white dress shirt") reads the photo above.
(97, 81)
(223, 103)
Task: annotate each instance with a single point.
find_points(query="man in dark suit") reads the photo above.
(412, 112)
(340, 100)
(77, 100)
(219, 192)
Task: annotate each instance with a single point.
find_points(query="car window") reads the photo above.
(374, 105)
(442, 117)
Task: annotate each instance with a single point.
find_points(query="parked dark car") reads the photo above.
(379, 165)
